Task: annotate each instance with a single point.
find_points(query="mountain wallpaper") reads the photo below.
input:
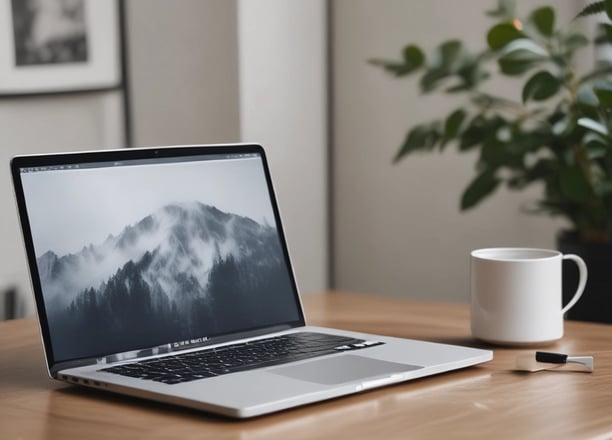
(185, 271)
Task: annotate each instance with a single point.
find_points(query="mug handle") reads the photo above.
(582, 269)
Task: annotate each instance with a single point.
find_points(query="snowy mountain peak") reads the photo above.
(183, 240)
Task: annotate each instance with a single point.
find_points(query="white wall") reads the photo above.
(282, 50)
(398, 229)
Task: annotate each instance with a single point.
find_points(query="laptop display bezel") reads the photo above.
(46, 160)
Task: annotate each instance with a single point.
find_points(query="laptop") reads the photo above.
(163, 273)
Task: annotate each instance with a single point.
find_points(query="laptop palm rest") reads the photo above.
(341, 369)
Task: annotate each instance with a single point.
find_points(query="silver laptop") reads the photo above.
(163, 273)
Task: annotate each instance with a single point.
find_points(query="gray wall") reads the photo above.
(398, 229)
(183, 71)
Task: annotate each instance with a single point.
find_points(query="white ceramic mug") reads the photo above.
(516, 295)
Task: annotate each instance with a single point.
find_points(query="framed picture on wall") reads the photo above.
(54, 46)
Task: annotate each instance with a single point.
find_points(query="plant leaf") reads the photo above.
(540, 170)
(449, 53)
(420, 137)
(608, 8)
(453, 123)
(474, 134)
(524, 45)
(563, 126)
(431, 79)
(592, 124)
(596, 145)
(575, 41)
(541, 86)
(413, 56)
(521, 55)
(544, 20)
(604, 33)
(573, 184)
(471, 74)
(593, 8)
(494, 152)
(512, 64)
(502, 34)
(483, 185)
(604, 95)
(586, 97)
(412, 59)
(395, 68)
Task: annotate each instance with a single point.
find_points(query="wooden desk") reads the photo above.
(487, 401)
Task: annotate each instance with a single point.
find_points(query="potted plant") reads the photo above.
(557, 133)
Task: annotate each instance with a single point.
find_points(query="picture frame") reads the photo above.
(58, 46)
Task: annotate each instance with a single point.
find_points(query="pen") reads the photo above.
(559, 358)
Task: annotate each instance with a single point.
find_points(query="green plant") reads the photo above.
(558, 132)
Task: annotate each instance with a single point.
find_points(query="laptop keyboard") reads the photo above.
(260, 353)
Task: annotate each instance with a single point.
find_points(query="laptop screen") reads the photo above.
(147, 252)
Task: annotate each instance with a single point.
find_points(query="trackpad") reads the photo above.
(342, 369)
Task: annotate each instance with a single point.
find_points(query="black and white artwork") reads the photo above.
(132, 257)
(49, 31)
(53, 46)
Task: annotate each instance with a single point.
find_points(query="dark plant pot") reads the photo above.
(596, 301)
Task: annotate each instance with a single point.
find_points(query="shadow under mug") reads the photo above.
(516, 295)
